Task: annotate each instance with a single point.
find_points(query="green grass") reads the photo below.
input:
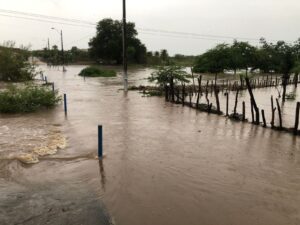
(25, 99)
(93, 71)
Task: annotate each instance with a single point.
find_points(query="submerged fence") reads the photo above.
(192, 95)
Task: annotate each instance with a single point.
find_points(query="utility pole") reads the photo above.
(62, 50)
(125, 48)
(62, 47)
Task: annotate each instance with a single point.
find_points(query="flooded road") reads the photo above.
(164, 164)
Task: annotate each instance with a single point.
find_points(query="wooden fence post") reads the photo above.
(227, 103)
(252, 112)
(236, 101)
(273, 112)
(264, 118)
(279, 114)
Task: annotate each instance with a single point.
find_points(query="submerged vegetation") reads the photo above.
(168, 75)
(94, 71)
(28, 98)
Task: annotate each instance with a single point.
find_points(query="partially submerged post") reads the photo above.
(264, 118)
(244, 111)
(279, 114)
(100, 142)
(65, 104)
(252, 100)
(227, 103)
(236, 102)
(216, 90)
(252, 112)
(273, 109)
(297, 118)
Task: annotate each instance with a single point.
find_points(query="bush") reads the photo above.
(93, 71)
(28, 98)
(14, 65)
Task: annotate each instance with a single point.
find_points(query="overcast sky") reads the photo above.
(272, 19)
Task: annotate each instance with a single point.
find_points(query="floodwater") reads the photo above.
(164, 164)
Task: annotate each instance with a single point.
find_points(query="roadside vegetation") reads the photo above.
(20, 94)
(27, 98)
(14, 65)
(94, 71)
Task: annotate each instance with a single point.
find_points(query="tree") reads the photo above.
(165, 74)
(164, 55)
(286, 63)
(167, 77)
(106, 46)
(242, 55)
(213, 61)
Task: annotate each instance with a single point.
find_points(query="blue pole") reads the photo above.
(65, 103)
(100, 141)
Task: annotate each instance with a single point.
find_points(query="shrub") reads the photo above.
(14, 65)
(93, 71)
(164, 74)
(28, 98)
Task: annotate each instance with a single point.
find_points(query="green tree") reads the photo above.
(164, 55)
(106, 46)
(242, 55)
(213, 61)
(165, 75)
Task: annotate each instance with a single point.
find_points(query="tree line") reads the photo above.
(281, 57)
(54, 56)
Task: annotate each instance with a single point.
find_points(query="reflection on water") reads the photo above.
(165, 164)
(102, 174)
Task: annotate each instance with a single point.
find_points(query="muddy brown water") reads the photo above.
(164, 164)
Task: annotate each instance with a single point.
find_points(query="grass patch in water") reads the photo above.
(94, 71)
(28, 98)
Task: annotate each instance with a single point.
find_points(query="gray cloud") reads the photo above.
(273, 19)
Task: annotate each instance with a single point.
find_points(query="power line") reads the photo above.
(186, 37)
(150, 31)
(45, 16)
(197, 35)
(46, 21)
